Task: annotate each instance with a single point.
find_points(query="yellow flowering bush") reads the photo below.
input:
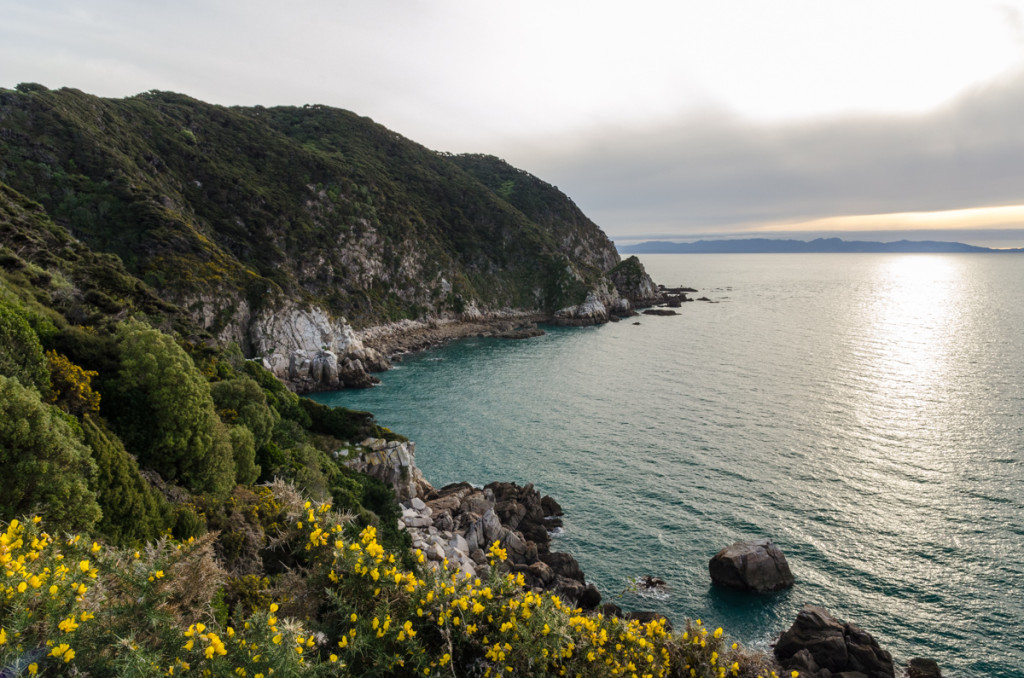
(71, 602)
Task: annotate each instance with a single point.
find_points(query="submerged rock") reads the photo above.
(756, 565)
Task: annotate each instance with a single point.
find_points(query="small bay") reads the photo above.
(865, 411)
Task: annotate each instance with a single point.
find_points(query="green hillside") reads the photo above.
(317, 205)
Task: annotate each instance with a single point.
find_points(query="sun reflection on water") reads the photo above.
(913, 322)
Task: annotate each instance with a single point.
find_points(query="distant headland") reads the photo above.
(818, 245)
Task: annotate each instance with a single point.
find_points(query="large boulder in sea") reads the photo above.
(756, 565)
(817, 644)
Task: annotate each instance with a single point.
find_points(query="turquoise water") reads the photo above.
(866, 412)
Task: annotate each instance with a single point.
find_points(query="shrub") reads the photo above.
(71, 386)
(51, 471)
(165, 413)
(21, 355)
(133, 512)
(72, 606)
(242, 401)
(243, 449)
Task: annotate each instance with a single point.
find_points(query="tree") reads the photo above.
(132, 510)
(21, 355)
(242, 401)
(50, 472)
(165, 413)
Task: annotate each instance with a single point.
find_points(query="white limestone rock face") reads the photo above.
(602, 301)
(310, 350)
(292, 328)
(394, 464)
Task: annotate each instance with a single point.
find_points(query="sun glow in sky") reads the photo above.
(685, 118)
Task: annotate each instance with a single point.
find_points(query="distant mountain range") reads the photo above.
(772, 246)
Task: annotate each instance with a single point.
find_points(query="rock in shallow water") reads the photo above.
(756, 565)
(820, 645)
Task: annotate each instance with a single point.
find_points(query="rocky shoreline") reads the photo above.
(454, 527)
(394, 340)
(311, 350)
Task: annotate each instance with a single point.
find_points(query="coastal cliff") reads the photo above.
(289, 230)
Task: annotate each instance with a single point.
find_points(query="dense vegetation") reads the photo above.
(117, 417)
(215, 206)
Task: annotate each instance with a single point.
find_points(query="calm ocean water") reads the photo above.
(866, 412)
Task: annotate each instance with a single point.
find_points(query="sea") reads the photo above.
(863, 411)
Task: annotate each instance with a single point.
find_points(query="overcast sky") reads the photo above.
(678, 119)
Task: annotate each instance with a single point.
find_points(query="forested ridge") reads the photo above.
(312, 204)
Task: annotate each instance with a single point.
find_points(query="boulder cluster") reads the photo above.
(820, 646)
(458, 524)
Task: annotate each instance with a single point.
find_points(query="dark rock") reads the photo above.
(647, 582)
(804, 663)
(756, 565)
(817, 639)
(564, 565)
(817, 632)
(521, 333)
(475, 503)
(578, 593)
(590, 598)
(611, 610)
(443, 521)
(922, 667)
(550, 506)
(865, 654)
(658, 311)
(570, 589)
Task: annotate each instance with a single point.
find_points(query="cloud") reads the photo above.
(718, 172)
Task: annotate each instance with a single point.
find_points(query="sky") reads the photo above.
(672, 120)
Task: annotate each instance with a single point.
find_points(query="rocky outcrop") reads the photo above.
(757, 565)
(634, 284)
(391, 462)
(819, 646)
(404, 336)
(458, 523)
(310, 350)
(602, 303)
(922, 667)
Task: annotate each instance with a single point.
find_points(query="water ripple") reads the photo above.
(866, 412)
